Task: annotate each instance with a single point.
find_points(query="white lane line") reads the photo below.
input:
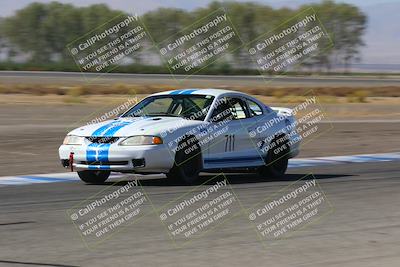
(293, 163)
(334, 160)
(44, 178)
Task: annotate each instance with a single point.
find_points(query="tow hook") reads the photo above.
(71, 161)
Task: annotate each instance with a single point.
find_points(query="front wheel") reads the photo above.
(188, 162)
(94, 177)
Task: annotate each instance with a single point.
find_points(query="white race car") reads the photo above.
(182, 132)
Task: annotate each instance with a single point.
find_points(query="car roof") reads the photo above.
(197, 91)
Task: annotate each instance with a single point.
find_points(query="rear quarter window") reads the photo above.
(254, 108)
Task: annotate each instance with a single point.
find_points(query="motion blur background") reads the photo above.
(34, 34)
(43, 95)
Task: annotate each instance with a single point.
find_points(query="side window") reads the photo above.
(238, 108)
(254, 108)
(230, 109)
(222, 111)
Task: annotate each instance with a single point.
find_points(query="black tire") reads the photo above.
(94, 177)
(188, 162)
(276, 160)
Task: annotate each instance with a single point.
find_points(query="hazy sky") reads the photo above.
(8, 7)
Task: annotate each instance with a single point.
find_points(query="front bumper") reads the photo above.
(146, 159)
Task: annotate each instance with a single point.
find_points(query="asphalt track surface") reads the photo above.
(362, 229)
(32, 77)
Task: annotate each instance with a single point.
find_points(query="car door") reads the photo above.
(231, 145)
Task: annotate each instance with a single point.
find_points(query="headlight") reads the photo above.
(73, 140)
(141, 140)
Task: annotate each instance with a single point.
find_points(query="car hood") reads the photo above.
(123, 127)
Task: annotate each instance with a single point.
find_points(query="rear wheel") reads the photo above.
(276, 160)
(94, 177)
(188, 162)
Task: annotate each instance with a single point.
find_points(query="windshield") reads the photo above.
(193, 107)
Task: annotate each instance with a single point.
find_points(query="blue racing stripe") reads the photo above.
(100, 152)
(115, 127)
(91, 152)
(176, 92)
(103, 128)
(103, 152)
(99, 167)
(187, 92)
(97, 152)
(183, 92)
